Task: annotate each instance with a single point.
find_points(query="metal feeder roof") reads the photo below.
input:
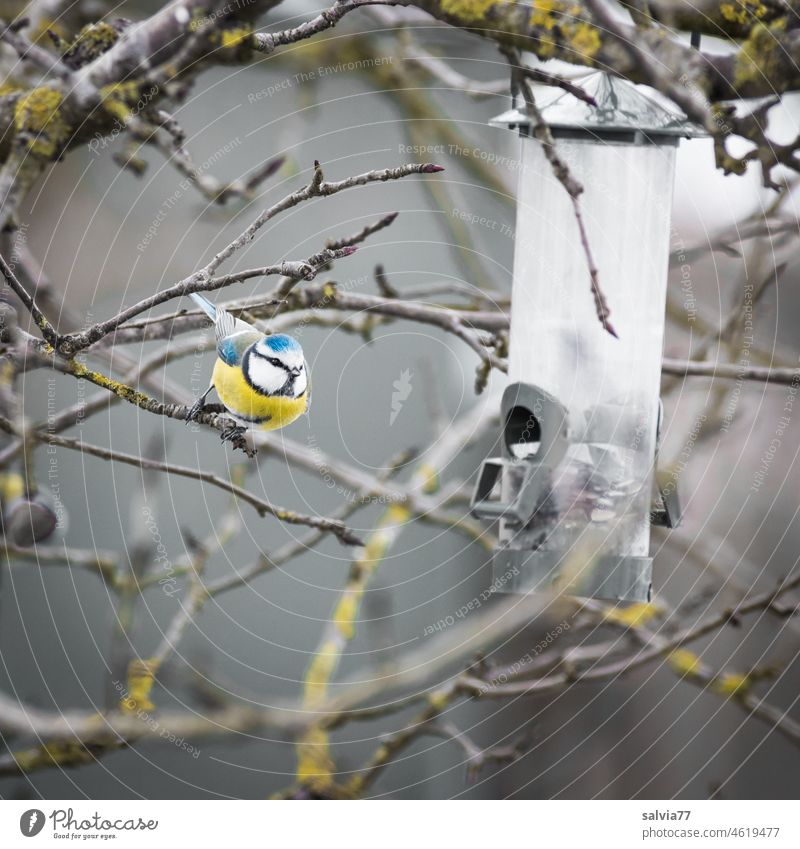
(622, 109)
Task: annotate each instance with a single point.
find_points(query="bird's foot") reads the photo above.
(235, 434)
(232, 432)
(195, 410)
(199, 407)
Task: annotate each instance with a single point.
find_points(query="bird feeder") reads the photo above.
(574, 485)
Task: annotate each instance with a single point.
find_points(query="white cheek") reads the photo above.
(267, 377)
(300, 384)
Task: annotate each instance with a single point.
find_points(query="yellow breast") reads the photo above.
(262, 412)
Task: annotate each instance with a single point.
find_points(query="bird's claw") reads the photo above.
(199, 407)
(235, 434)
(194, 410)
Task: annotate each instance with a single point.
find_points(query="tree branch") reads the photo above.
(203, 280)
(262, 506)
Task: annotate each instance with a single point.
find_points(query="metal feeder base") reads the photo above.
(608, 577)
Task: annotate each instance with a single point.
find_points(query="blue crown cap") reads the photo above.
(281, 342)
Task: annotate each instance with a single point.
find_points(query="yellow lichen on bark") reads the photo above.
(684, 662)
(566, 31)
(319, 673)
(543, 16)
(8, 87)
(141, 677)
(235, 36)
(121, 390)
(732, 684)
(431, 476)
(235, 43)
(471, 12)
(742, 11)
(761, 55)
(634, 615)
(92, 41)
(119, 99)
(12, 486)
(52, 754)
(314, 764)
(346, 610)
(584, 39)
(39, 122)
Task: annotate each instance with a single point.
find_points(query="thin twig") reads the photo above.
(203, 280)
(103, 563)
(573, 188)
(47, 329)
(262, 506)
(30, 52)
(731, 371)
(267, 42)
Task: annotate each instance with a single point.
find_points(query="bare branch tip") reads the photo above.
(347, 537)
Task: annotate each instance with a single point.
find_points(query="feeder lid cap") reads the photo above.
(622, 107)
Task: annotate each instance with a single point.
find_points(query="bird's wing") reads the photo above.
(224, 323)
(231, 348)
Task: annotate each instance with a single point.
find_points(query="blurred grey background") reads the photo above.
(647, 735)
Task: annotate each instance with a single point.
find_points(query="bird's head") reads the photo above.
(277, 366)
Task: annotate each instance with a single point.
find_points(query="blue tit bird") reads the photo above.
(261, 380)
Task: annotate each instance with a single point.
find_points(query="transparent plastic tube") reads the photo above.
(609, 386)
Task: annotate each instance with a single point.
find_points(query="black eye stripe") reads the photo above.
(276, 362)
(271, 360)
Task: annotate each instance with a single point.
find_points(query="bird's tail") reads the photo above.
(205, 305)
(224, 323)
